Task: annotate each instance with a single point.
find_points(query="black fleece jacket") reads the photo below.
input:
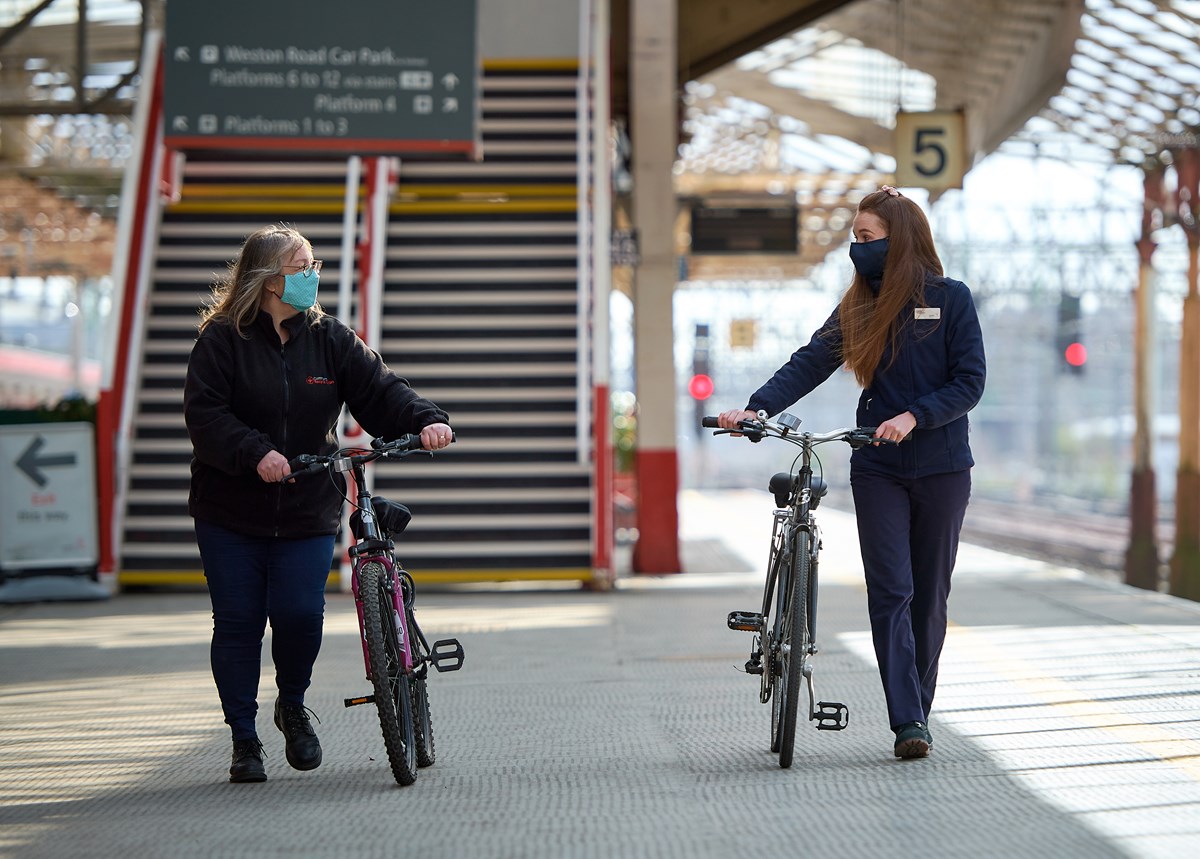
(246, 396)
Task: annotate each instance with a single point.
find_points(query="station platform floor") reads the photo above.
(619, 724)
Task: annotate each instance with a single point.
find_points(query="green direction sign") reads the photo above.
(395, 77)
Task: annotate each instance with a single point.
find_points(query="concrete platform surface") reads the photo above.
(619, 724)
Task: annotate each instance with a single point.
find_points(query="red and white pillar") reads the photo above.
(137, 227)
(654, 120)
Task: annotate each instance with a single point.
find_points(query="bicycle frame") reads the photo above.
(372, 547)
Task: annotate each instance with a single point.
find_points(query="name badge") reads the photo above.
(927, 313)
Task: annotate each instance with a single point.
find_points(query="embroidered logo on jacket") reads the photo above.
(319, 380)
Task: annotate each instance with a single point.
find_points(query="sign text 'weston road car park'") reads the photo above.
(387, 77)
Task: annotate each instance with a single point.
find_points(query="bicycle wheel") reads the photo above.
(795, 650)
(422, 722)
(393, 691)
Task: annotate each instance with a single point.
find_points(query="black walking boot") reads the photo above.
(913, 740)
(247, 763)
(303, 749)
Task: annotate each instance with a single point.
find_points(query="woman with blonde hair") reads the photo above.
(911, 337)
(267, 379)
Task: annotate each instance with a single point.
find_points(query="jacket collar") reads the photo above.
(293, 324)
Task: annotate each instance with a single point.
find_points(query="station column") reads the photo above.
(1141, 557)
(1185, 563)
(654, 133)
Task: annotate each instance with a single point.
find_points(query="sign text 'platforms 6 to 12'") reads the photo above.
(386, 77)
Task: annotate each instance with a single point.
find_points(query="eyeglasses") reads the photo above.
(306, 270)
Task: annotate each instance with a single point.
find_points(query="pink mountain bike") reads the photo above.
(396, 652)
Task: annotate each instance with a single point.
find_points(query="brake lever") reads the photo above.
(401, 453)
(752, 430)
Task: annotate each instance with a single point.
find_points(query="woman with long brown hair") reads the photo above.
(911, 337)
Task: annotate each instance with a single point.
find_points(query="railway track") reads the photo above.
(1094, 542)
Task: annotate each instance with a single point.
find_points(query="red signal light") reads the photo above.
(700, 386)
(1076, 354)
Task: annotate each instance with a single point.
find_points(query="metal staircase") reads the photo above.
(480, 312)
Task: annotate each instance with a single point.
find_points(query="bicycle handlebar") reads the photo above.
(786, 427)
(348, 457)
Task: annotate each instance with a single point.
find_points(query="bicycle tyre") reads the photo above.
(796, 637)
(393, 694)
(422, 721)
(777, 691)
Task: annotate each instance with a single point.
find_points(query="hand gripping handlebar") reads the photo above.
(346, 458)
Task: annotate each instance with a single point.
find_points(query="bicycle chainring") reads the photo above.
(770, 666)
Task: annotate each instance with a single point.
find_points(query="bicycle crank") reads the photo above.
(447, 655)
(829, 715)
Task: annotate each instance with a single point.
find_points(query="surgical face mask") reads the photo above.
(300, 289)
(869, 257)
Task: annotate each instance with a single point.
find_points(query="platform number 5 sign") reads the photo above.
(930, 149)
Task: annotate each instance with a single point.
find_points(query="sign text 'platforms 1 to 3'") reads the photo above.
(388, 77)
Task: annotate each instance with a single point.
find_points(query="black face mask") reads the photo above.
(869, 257)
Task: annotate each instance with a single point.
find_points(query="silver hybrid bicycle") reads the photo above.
(785, 629)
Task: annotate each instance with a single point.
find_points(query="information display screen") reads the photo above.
(745, 230)
(385, 77)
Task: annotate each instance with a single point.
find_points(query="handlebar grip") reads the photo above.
(411, 441)
(301, 465)
(710, 422)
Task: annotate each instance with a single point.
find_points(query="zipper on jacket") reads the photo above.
(909, 348)
(283, 439)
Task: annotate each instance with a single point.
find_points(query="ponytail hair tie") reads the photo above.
(889, 190)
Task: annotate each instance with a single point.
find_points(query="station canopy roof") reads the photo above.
(810, 116)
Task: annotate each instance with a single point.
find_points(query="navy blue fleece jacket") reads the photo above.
(938, 375)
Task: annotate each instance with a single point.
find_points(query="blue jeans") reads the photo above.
(908, 532)
(251, 580)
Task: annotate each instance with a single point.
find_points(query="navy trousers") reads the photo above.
(908, 532)
(251, 580)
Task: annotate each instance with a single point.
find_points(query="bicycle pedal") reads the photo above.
(362, 699)
(745, 621)
(447, 655)
(831, 716)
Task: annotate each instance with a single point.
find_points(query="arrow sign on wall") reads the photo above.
(32, 464)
